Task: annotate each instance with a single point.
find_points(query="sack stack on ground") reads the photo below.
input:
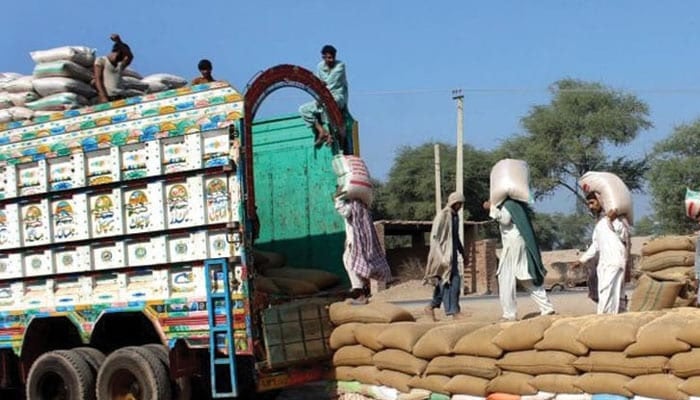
(277, 278)
(509, 178)
(668, 274)
(381, 353)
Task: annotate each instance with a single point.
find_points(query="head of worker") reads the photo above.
(593, 203)
(205, 68)
(455, 201)
(328, 53)
(120, 52)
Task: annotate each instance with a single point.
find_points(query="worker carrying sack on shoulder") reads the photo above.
(614, 194)
(509, 178)
(692, 204)
(353, 178)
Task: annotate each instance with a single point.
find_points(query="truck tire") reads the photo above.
(92, 356)
(181, 387)
(60, 374)
(133, 371)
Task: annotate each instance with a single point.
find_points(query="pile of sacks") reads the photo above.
(382, 353)
(63, 79)
(667, 274)
(276, 278)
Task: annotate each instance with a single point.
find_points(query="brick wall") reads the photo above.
(480, 268)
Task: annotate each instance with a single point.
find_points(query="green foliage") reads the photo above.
(567, 137)
(561, 231)
(645, 226)
(409, 192)
(675, 166)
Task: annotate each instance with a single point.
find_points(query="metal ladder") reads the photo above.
(217, 274)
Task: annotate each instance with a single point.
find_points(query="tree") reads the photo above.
(645, 226)
(409, 192)
(559, 231)
(567, 137)
(675, 166)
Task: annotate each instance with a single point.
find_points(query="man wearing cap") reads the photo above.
(520, 258)
(442, 268)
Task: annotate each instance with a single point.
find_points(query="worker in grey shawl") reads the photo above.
(442, 269)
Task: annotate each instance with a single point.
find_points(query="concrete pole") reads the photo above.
(457, 95)
(438, 189)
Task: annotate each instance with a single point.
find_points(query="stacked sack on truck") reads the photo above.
(382, 353)
(276, 278)
(668, 274)
(62, 78)
(16, 91)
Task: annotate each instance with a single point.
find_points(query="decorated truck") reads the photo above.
(126, 234)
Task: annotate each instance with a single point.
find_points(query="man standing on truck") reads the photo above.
(332, 72)
(205, 69)
(520, 258)
(610, 242)
(442, 268)
(363, 257)
(108, 70)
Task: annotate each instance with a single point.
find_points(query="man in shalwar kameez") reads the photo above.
(520, 258)
(363, 257)
(442, 269)
(610, 242)
(331, 71)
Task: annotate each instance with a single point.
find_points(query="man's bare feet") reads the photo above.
(460, 316)
(430, 313)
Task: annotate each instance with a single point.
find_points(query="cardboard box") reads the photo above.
(69, 219)
(34, 219)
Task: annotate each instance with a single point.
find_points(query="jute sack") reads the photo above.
(691, 386)
(556, 383)
(434, 383)
(668, 243)
(691, 333)
(440, 340)
(667, 259)
(685, 365)
(523, 335)
(403, 335)
(342, 313)
(659, 386)
(466, 384)
(415, 394)
(535, 362)
(659, 337)
(353, 356)
(602, 382)
(399, 360)
(561, 336)
(675, 274)
(481, 367)
(396, 380)
(367, 374)
(618, 363)
(654, 295)
(511, 382)
(367, 335)
(265, 285)
(319, 278)
(295, 287)
(265, 260)
(479, 342)
(344, 335)
(595, 334)
(343, 373)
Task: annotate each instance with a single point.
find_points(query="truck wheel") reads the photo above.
(181, 387)
(60, 374)
(92, 356)
(133, 373)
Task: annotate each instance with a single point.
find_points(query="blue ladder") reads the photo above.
(218, 289)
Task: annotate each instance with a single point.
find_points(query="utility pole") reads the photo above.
(438, 189)
(457, 95)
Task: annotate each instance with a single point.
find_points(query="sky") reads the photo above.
(403, 57)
